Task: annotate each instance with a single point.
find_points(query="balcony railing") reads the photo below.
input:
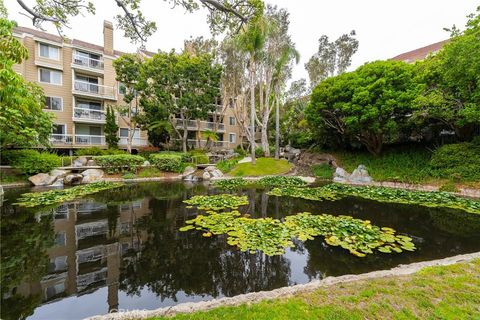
(199, 125)
(87, 62)
(61, 139)
(88, 114)
(94, 89)
(89, 140)
(194, 143)
(135, 142)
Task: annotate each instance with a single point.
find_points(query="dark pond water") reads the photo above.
(121, 250)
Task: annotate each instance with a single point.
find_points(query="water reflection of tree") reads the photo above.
(172, 261)
(23, 245)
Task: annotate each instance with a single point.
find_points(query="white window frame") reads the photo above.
(234, 121)
(61, 124)
(51, 70)
(61, 99)
(234, 135)
(50, 46)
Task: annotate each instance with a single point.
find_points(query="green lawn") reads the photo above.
(451, 292)
(263, 167)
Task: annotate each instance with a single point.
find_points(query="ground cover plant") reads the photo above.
(264, 166)
(61, 195)
(323, 171)
(266, 182)
(440, 292)
(272, 236)
(381, 194)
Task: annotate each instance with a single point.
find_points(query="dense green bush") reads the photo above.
(169, 162)
(120, 162)
(240, 151)
(457, 161)
(96, 151)
(227, 165)
(31, 162)
(198, 156)
(147, 151)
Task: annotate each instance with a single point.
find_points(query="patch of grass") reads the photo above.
(263, 167)
(447, 292)
(149, 173)
(11, 178)
(323, 171)
(402, 165)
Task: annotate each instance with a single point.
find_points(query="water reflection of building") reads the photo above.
(91, 240)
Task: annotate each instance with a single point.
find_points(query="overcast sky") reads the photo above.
(385, 28)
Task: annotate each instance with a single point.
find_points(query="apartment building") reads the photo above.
(79, 83)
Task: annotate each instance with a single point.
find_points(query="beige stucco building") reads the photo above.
(79, 82)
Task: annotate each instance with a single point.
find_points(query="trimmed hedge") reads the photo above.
(457, 161)
(96, 151)
(120, 162)
(31, 162)
(169, 162)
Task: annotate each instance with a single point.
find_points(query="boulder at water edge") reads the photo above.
(92, 175)
(80, 162)
(340, 175)
(42, 179)
(188, 171)
(360, 175)
(59, 173)
(71, 179)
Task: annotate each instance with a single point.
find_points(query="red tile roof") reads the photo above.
(420, 53)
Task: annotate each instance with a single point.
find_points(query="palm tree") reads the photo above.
(210, 136)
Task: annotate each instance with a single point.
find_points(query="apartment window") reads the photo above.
(50, 52)
(124, 133)
(60, 239)
(50, 76)
(59, 129)
(122, 88)
(232, 137)
(232, 121)
(54, 103)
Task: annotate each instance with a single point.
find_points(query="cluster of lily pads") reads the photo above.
(61, 195)
(265, 182)
(381, 194)
(217, 202)
(272, 236)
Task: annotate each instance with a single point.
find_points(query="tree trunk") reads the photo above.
(184, 138)
(252, 110)
(265, 145)
(277, 129)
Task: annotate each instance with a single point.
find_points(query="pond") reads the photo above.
(121, 249)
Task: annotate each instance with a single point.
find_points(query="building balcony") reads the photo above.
(90, 65)
(195, 125)
(196, 144)
(87, 89)
(89, 115)
(89, 140)
(136, 142)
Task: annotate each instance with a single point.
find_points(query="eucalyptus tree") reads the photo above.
(224, 15)
(331, 58)
(181, 85)
(251, 40)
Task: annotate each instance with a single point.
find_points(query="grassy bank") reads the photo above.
(449, 292)
(264, 166)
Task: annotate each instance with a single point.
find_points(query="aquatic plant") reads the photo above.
(382, 194)
(271, 236)
(61, 195)
(231, 184)
(217, 202)
(265, 182)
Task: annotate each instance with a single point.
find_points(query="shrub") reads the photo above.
(461, 160)
(31, 162)
(149, 173)
(129, 175)
(146, 152)
(227, 165)
(120, 162)
(169, 162)
(96, 151)
(198, 156)
(239, 150)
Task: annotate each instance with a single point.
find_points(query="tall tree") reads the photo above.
(224, 15)
(184, 86)
(450, 98)
(252, 40)
(111, 129)
(128, 71)
(22, 120)
(332, 58)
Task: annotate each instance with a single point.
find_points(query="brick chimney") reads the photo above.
(107, 37)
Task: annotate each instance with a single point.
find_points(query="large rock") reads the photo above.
(147, 164)
(360, 175)
(206, 176)
(245, 160)
(80, 162)
(216, 173)
(58, 183)
(188, 171)
(92, 175)
(59, 173)
(91, 163)
(71, 179)
(341, 175)
(42, 179)
(210, 168)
